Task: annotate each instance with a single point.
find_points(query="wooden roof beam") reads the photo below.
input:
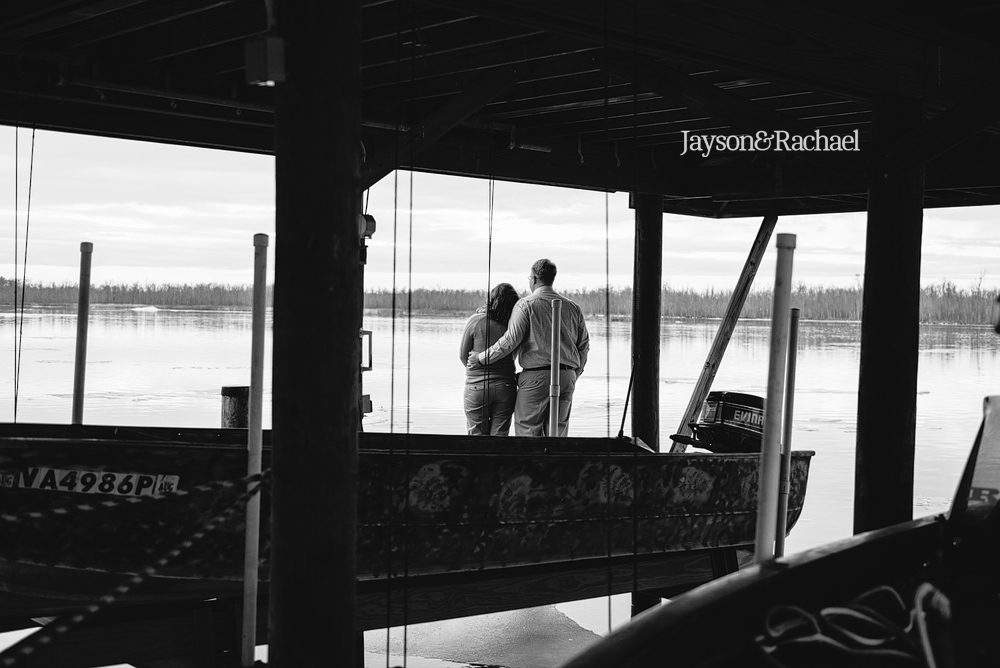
(226, 23)
(792, 42)
(437, 124)
(697, 95)
(59, 15)
(946, 130)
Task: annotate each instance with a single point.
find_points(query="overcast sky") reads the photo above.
(159, 213)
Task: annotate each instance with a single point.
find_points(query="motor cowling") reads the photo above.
(729, 422)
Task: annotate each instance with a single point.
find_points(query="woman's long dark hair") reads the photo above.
(500, 303)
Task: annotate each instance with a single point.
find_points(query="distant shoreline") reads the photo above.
(943, 303)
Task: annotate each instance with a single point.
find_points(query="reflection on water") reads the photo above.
(166, 367)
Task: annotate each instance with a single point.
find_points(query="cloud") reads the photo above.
(170, 213)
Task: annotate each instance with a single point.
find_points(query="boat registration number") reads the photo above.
(91, 482)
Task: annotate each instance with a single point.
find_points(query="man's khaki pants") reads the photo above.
(531, 410)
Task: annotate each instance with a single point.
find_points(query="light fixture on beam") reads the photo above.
(264, 60)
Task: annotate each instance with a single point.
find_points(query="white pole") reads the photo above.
(786, 435)
(770, 454)
(254, 447)
(82, 319)
(556, 360)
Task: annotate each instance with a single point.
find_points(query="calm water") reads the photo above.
(165, 367)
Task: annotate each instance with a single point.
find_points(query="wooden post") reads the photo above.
(555, 359)
(647, 282)
(647, 291)
(82, 320)
(255, 446)
(726, 327)
(770, 452)
(786, 435)
(235, 406)
(317, 307)
(887, 382)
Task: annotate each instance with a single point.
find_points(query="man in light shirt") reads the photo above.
(529, 333)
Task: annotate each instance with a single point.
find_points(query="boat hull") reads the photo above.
(435, 512)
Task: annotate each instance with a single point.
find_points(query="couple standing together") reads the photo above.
(508, 325)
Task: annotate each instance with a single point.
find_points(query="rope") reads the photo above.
(631, 375)
(24, 275)
(392, 338)
(628, 395)
(17, 127)
(607, 313)
(607, 332)
(409, 299)
(489, 270)
(43, 637)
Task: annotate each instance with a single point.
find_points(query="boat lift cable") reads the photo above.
(392, 336)
(607, 331)
(491, 190)
(409, 303)
(19, 318)
(409, 359)
(17, 132)
(607, 311)
(631, 375)
(628, 395)
(409, 373)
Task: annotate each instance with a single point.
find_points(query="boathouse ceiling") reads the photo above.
(590, 94)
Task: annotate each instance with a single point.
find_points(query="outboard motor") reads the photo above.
(729, 422)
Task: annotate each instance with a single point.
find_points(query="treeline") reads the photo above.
(944, 302)
(941, 303)
(199, 294)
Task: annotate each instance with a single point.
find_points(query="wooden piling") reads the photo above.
(235, 406)
(887, 381)
(647, 283)
(317, 307)
(82, 320)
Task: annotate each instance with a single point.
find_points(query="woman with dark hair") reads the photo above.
(490, 390)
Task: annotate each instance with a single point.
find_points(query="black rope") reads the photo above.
(17, 132)
(409, 329)
(409, 300)
(489, 301)
(631, 376)
(24, 276)
(392, 338)
(607, 312)
(628, 396)
(44, 636)
(607, 331)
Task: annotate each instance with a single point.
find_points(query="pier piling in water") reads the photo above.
(235, 406)
(82, 320)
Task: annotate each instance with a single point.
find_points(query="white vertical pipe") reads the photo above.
(254, 447)
(555, 361)
(770, 454)
(786, 436)
(82, 319)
